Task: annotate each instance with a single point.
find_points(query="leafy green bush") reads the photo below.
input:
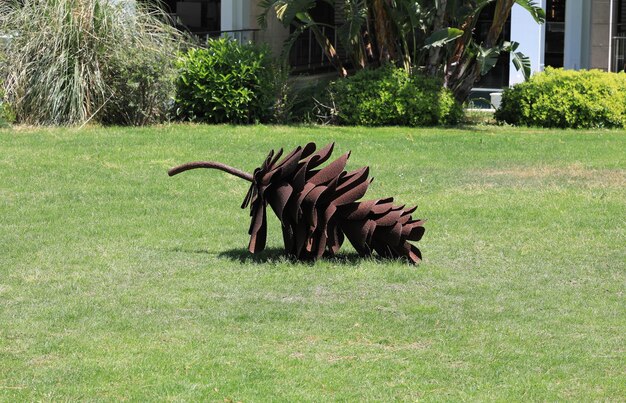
(566, 99)
(72, 61)
(3, 108)
(6, 112)
(391, 96)
(226, 82)
(311, 102)
(142, 88)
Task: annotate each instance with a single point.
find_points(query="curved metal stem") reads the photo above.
(210, 165)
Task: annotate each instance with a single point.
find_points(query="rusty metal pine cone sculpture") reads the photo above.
(318, 206)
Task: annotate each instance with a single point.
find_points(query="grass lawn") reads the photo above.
(118, 282)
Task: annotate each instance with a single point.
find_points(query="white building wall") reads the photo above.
(578, 52)
(274, 35)
(577, 34)
(227, 15)
(235, 15)
(531, 37)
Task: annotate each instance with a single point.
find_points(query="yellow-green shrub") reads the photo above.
(391, 96)
(566, 99)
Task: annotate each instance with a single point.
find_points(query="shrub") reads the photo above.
(6, 112)
(391, 96)
(142, 87)
(566, 99)
(226, 82)
(282, 95)
(311, 99)
(76, 60)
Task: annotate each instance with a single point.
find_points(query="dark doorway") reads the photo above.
(200, 17)
(555, 33)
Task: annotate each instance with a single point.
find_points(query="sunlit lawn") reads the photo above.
(118, 282)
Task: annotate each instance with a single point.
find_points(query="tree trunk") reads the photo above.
(467, 72)
(329, 50)
(383, 32)
(435, 54)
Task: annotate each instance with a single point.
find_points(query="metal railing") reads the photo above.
(307, 54)
(240, 35)
(618, 56)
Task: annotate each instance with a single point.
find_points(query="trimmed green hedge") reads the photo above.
(566, 99)
(391, 96)
(226, 83)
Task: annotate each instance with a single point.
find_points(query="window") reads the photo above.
(555, 33)
(621, 18)
(197, 16)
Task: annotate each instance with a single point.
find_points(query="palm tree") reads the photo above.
(432, 36)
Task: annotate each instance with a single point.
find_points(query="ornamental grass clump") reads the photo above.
(73, 61)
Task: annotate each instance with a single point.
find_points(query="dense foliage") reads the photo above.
(6, 113)
(142, 87)
(435, 36)
(566, 99)
(73, 61)
(226, 82)
(391, 96)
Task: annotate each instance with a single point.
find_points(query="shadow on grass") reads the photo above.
(271, 255)
(278, 254)
(179, 249)
(244, 256)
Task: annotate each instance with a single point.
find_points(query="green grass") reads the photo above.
(118, 282)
